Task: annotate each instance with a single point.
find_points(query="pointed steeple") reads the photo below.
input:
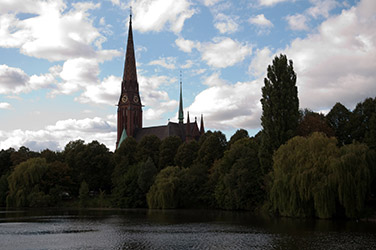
(202, 130)
(181, 113)
(130, 72)
(188, 128)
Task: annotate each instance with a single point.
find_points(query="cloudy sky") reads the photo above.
(61, 62)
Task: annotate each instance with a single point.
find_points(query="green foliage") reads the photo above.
(354, 178)
(146, 175)
(163, 193)
(338, 119)
(186, 154)
(84, 194)
(212, 149)
(24, 181)
(5, 160)
(193, 190)
(168, 150)
(280, 108)
(361, 123)
(90, 162)
(21, 155)
(239, 134)
(148, 147)
(238, 177)
(313, 177)
(313, 122)
(3, 190)
(370, 136)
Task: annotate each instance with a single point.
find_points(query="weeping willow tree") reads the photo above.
(313, 177)
(25, 182)
(163, 193)
(354, 178)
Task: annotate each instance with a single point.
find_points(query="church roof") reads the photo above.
(171, 129)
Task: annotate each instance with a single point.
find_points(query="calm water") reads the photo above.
(175, 229)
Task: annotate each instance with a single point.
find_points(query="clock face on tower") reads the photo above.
(124, 99)
(135, 99)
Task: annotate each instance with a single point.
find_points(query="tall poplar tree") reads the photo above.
(280, 109)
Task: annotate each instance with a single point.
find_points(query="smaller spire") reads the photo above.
(202, 130)
(188, 128)
(181, 112)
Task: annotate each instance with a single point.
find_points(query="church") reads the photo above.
(129, 113)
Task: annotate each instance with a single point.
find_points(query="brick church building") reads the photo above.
(129, 113)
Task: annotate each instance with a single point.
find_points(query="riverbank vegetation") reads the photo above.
(301, 164)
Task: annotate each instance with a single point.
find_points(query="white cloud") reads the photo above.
(16, 81)
(185, 45)
(156, 101)
(297, 22)
(188, 64)
(56, 136)
(166, 62)
(260, 20)
(211, 2)
(5, 105)
(321, 8)
(338, 62)
(12, 80)
(52, 32)
(224, 52)
(270, 2)
(76, 74)
(229, 106)
(214, 80)
(154, 15)
(263, 57)
(107, 92)
(225, 24)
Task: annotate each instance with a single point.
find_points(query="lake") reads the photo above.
(175, 229)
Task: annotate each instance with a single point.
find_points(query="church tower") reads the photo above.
(129, 113)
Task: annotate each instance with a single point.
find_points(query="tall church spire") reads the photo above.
(130, 72)
(129, 114)
(181, 113)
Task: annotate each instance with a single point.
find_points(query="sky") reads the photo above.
(61, 62)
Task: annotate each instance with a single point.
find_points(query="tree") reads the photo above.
(146, 175)
(280, 108)
(163, 193)
(360, 119)
(168, 150)
(338, 119)
(90, 162)
(126, 191)
(24, 184)
(212, 149)
(5, 160)
(21, 155)
(239, 134)
(313, 122)
(149, 147)
(238, 177)
(186, 154)
(313, 177)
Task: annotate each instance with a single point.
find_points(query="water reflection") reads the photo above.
(175, 229)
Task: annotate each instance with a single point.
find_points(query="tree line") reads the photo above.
(301, 164)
